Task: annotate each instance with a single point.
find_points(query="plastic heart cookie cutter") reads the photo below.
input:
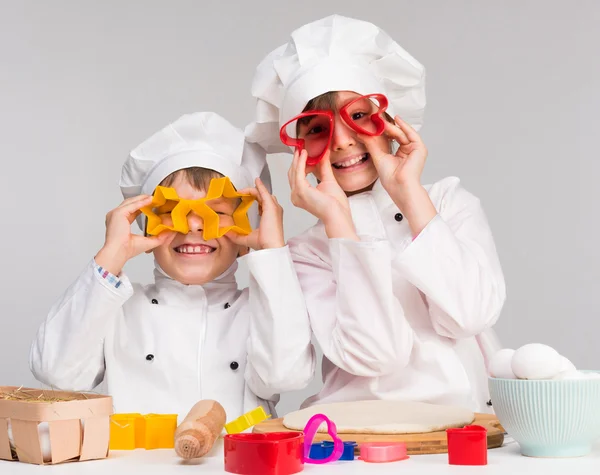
(311, 428)
(467, 445)
(165, 200)
(276, 453)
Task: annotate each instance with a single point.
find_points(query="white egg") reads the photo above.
(11, 440)
(500, 366)
(574, 375)
(569, 375)
(566, 365)
(44, 434)
(536, 361)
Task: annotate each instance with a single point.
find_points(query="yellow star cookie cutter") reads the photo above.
(166, 200)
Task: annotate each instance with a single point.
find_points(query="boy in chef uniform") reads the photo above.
(402, 281)
(192, 334)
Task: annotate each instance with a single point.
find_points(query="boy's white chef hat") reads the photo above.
(335, 53)
(200, 139)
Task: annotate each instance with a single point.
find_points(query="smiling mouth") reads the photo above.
(352, 162)
(191, 249)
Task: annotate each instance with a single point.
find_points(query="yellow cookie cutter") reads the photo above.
(137, 431)
(246, 421)
(166, 200)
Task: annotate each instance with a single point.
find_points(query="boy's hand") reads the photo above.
(120, 243)
(269, 234)
(326, 201)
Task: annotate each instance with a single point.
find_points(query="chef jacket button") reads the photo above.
(398, 217)
(155, 302)
(234, 365)
(227, 305)
(150, 357)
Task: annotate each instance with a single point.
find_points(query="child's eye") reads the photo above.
(319, 129)
(358, 115)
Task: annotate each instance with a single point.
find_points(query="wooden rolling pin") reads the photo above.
(198, 432)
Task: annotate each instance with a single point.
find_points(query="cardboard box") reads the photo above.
(50, 426)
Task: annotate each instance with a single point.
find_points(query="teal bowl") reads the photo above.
(549, 418)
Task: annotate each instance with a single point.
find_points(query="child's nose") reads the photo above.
(343, 136)
(195, 222)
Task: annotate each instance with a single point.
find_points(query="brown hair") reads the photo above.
(198, 177)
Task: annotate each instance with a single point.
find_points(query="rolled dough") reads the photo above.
(383, 417)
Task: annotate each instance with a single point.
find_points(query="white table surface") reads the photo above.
(506, 460)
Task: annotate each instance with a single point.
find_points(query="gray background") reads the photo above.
(513, 102)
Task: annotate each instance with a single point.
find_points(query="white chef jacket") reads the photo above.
(402, 319)
(163, 347)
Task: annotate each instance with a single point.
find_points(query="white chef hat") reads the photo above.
(201, 139)
(335, 53)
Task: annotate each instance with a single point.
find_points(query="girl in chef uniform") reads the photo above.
(192, 334)
(402, 281)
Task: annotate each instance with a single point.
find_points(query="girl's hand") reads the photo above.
(401, 172)
(327, 201)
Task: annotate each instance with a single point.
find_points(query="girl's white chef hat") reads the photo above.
(335, 53)
(200, 139)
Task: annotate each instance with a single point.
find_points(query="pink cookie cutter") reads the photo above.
(380, 452)
(310, 430)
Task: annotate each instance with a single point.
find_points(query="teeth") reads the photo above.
(191, 249)
(350, 162)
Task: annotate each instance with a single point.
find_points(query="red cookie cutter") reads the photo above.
(467, 445)
(275, 453)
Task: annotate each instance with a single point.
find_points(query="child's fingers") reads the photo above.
(135, 201)
(170, 236)
(292, 169)
(131, 216)
(265, 197)
(372, 146)
(411, 133)
(252, 192)
(147, 244)
(396, 133)
(325, 167)
(261, 188)
(133, 205)
(249, 191)
(239, 239)
(133, 210)
(301, 168)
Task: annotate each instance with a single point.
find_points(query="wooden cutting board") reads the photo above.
(427, 443)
